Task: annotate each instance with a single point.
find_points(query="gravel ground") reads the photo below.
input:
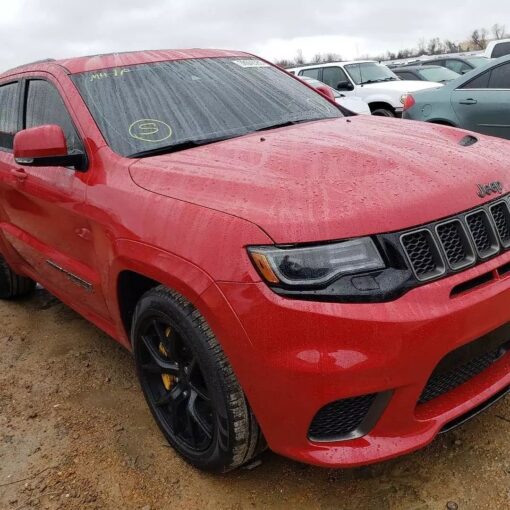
(75, 433)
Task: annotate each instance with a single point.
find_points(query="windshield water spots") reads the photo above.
(178, 104)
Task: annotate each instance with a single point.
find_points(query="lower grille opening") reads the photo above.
(471, 284)
(349, 418)
(504, 269)
(470, 360)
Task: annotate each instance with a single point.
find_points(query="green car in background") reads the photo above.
(478, 101)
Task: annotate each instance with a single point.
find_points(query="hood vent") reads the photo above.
(468, 140)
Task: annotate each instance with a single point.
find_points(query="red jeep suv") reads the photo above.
(336, 287)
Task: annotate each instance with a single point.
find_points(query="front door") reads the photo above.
(483, 104)
(44, 206)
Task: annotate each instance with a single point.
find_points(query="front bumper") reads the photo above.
(294, 357)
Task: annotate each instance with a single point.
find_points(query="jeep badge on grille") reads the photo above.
(489, 189)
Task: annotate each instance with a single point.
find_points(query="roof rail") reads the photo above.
(43, 61)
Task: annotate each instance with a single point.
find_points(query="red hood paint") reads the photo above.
(333, 179)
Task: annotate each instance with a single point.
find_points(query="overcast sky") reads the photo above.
(36, 29)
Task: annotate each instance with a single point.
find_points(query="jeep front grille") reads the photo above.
(458, 242)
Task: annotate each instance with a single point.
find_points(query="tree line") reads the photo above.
(477, 41)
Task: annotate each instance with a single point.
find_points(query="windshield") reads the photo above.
(179, 104)
(477, 61)
(439, 74)
(370, 72)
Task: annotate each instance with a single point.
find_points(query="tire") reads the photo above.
(12, 285)
(383, 112)
(189, 384)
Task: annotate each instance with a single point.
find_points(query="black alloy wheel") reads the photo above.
(172, 379)
(190, 386)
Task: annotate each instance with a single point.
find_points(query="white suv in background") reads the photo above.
(377, 85)
(497, 49)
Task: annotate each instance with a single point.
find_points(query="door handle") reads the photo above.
(469, 101)
(19, 173)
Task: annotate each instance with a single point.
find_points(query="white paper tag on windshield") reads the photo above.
(250, 63)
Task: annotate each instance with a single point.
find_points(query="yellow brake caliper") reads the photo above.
(167, 378)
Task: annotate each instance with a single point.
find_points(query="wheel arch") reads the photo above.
(380, 105)
(442, 122)
(139, 267)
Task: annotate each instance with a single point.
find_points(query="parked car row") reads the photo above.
(470, 91)
(433, 73)
(375, 83)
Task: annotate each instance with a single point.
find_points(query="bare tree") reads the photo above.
(421, 47)
(435, 46)
(451, 47)
(479, 39)
(285, 63)
(498, 31)
(317, 58)
(332, 57)
(300, 59)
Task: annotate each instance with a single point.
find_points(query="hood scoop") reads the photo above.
(468, 140)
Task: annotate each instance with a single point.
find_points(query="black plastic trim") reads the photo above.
(375, 411)
(460, 420)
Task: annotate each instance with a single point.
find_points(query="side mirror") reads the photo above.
(327, 92)
(45, 146)
(345, 85)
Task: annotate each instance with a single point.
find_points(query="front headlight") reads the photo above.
(312, 266)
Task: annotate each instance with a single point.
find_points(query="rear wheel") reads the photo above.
(189, 384)
(383, 112)
(13, 285)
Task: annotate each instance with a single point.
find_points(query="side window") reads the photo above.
(480, 82)
(332, 76)
(45, 106)
(8, 114)
(354, 71)
(311, 73)
(458, 66)
(501, 49)
(500, 77)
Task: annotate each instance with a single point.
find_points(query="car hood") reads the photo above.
(403, 86)
(333, 179)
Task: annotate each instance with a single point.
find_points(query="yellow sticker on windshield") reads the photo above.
(150, 130)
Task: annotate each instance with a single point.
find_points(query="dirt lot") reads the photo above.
(75, 433)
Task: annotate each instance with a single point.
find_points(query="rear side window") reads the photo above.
(501, 49)
(311, 73)
(500, 77)
(480, 82)
(458, 66)
(406, 75)
(8, 114)
(332, 76)
(45, 106)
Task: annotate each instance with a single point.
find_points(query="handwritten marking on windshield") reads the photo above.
(150, 130)
(113, 73)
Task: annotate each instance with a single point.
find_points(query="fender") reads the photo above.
(164, 267)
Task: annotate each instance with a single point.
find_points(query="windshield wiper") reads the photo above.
(287, 123)
(188, 144)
